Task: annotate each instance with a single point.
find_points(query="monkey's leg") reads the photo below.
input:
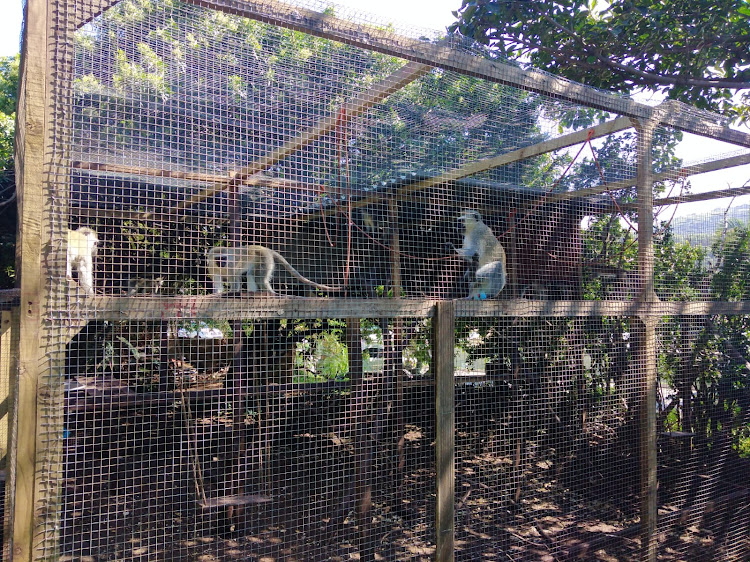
(252, 285)
(236, 285)
(490, 280)
(270, 266)
(217, 283)
(85, 278)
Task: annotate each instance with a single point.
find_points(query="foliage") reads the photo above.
(694, 51)
(321, 353)
(732, 248)
(9, 67)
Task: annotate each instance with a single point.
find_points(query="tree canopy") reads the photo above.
(696, 51)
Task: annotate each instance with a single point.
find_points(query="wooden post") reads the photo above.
(31, 133)
(443, 347)
(6, 372)
(648, 378)
(12, 443)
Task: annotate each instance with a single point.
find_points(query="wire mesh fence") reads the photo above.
(319, 289)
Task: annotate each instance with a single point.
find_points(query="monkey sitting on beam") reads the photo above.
(82, 247)
(481, 242)
(227, 265)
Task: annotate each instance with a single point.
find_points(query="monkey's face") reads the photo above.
(469, 216)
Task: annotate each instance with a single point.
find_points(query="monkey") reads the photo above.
(82, 248)
(481, 242)
(145, 285)
(228, 265)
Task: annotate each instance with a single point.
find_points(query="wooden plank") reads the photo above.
(6, 363)
(478, 166)
(151, 172)
(483, 165)
(224, 501)
(706, 196)
(210, 306)
(10, 458)
(680, 116)
(443, 332)
(375, 94)
(577, 309)
(87, 10)
(29, 159)
(686, 171)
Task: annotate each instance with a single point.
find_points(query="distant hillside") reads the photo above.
(700, 229)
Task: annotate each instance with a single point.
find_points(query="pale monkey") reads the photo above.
(227, 265)
(481, 242)
(82, 247)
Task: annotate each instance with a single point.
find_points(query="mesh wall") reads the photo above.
(703, 423)
(291, 448)
(250, 364)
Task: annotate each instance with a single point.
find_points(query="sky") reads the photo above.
(436, 15)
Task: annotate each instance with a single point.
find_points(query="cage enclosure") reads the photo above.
(298, 284)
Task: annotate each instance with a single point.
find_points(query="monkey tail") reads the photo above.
(297, 275)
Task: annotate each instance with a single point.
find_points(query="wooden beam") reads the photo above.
(456, 174)
(706, 196)
(87, 10)
(375, 94)
(31, 133)
(645, 352)
(538, 149)
(152, 172)
(443, 349)
(685, 171)
(6, 375)
(523, 308)
(222, 308)
(213, 306)
(680, 116)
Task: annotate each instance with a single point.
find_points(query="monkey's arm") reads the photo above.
(469, 249)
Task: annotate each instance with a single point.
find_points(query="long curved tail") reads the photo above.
(297, 275)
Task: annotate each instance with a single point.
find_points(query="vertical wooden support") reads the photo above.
(6, 337)
(648, 378)
(31, 132)
(10, 462)
(443, 347)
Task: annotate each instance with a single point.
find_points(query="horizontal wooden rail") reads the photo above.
(239, 308)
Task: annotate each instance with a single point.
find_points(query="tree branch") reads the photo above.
(651, 78)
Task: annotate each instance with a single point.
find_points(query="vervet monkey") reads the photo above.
(145, 285)
(82, 247)
(481, 242)
(228, 265)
